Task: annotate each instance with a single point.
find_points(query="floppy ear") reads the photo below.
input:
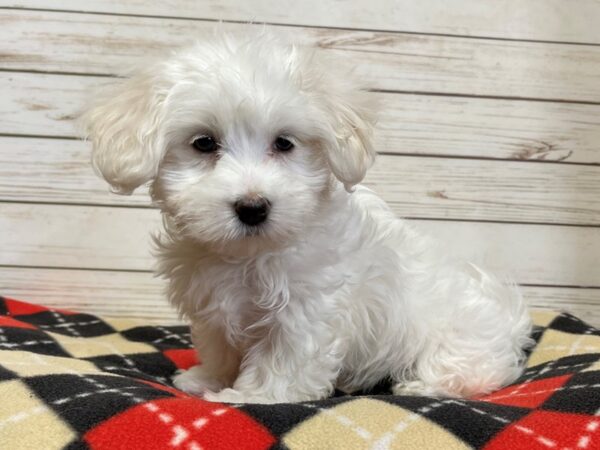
(350, 154)
(124, 123)
(347, 113)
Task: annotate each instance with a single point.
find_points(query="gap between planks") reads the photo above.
(42, 106)
(386, 61)
(380, 91)
(59, 173)
(140, 295)
(420, 19)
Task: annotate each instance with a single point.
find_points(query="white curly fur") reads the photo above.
(333, 289)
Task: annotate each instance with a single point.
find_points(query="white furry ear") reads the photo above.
(351, 153)
(124, 123)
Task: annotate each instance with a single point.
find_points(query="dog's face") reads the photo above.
(241, 140)
(243, 161)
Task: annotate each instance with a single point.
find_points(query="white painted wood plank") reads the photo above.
(553, 20)
(531, 254)
(104, 44)
(583, 303)
(488, 190)
(140, 295)
(57, 170)
(76, 237)
(37, 104)
(489, 128)
(44, 105)
(118, 238)
(109, 293)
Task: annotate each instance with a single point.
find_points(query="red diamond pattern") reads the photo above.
(17, 308)
(6, 321)
(186, 423)
(549, 430)
(527, 395)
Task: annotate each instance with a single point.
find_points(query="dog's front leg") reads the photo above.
(290, 364)
(219, 362)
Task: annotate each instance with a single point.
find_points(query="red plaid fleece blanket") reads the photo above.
(76, 381)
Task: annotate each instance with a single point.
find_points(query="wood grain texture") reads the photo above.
(141, 296)
(552, 20)
(39, 104)
(57, 170)
(119, 239)
(77, 237)
(110, 293)
(583, 303)
(43, 105)
(488, 190)
(443, 118)
(104, 44)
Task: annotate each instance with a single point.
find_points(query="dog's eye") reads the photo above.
(283, 144)
(205, 144)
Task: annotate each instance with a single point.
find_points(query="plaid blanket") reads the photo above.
(77, 381)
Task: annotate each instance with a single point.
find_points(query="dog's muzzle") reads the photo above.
(252, 211)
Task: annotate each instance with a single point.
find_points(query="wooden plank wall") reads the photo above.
(489, 135)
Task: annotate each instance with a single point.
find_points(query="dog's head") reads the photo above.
(241, 139)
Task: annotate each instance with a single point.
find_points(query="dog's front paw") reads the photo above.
(225, 396)
(234, 396)
(416, 387)
(196, 381)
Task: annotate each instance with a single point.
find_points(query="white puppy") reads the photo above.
(295, 279)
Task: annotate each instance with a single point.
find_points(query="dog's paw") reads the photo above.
(225, 396)
(234, 396)
(415, 387)
(196, 381)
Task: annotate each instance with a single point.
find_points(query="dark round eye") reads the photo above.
(205, 144)
(283, 144)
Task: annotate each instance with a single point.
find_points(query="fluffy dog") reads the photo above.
(295, 279)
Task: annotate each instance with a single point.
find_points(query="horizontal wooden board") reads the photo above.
(106, 293)
(552, 20)
(584, 303)
(141, 296)
(531, 254)
(57, 170)
(39, 104)
(104, 44)
(76, 237)
(488, 190)
(43, 105)
(119, 238)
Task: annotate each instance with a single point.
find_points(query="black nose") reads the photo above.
(252, 211)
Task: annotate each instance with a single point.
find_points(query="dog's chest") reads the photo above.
(249, 301)
(243, 297)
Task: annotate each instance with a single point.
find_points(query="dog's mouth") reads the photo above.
(253, 230)
(248, 241)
